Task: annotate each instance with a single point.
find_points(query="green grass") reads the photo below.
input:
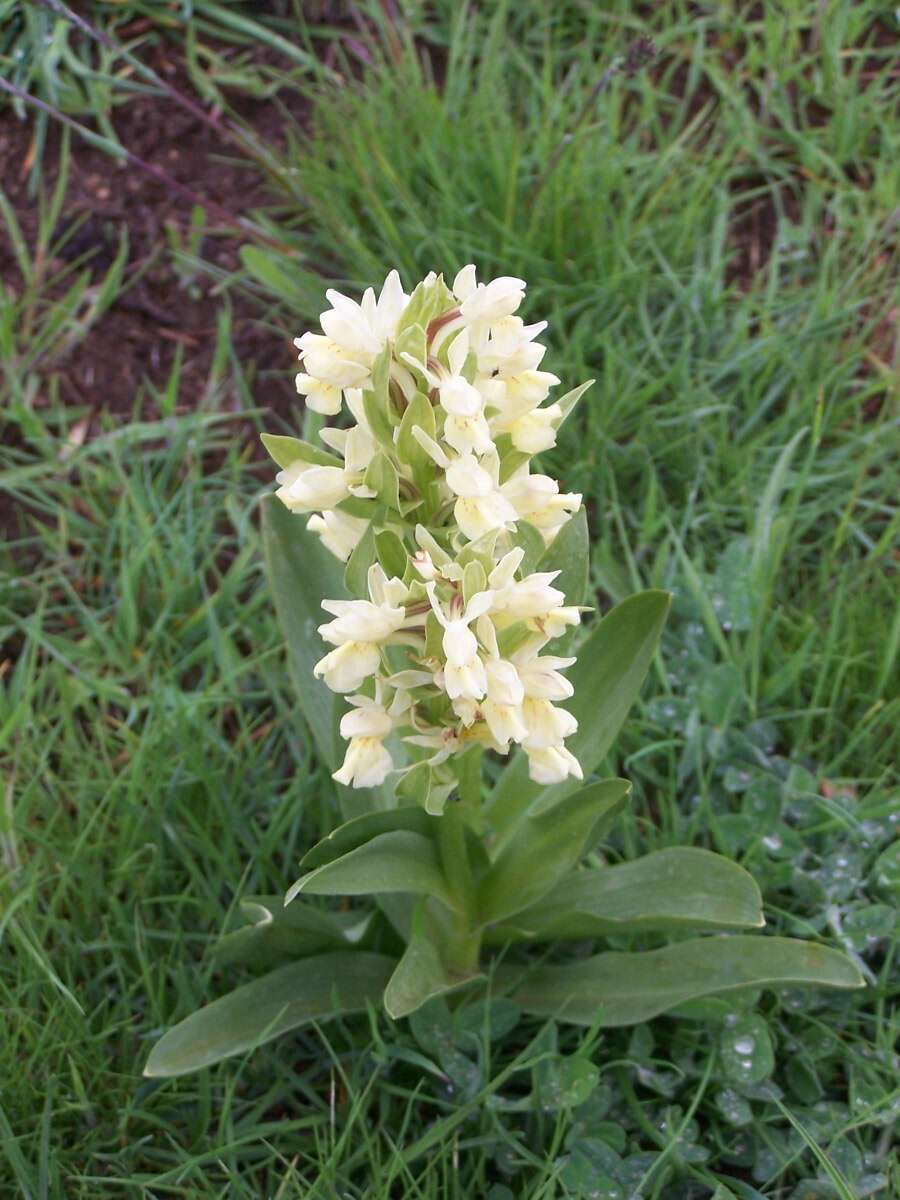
(739, 447)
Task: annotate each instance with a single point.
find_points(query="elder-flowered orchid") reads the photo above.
(462, 571)
(441, 386)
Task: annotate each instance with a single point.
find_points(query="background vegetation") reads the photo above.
(716, 243)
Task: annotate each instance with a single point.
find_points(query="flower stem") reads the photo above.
(463, 945)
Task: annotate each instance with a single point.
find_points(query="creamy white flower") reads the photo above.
(384, 591)
(359, 450)
(481, 506)
(367, 763)
(531, 428)
(486, 302)
(455, 393)
(359, 629)
(504, 722)
(339, 532)
(463, 672)
(511, 349)
(558, 620)
(465, 426)
(539, 673)
(538, 500)
(436, 552)
(533, 596)
(503, 683)
(306, 487)
(367, 718)
(546, 724)
(360, 621)
(325, 360)
(364, 328)
(353, 336)
(479, 515)
(321, 397)
(468, 434)
(504, 572)
(552, 764)
(349, 665)
(526, 389)
(443, 742)
(466, 477)
(534, 431)
(424, 566)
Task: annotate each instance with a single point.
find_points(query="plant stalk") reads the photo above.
(463, 945)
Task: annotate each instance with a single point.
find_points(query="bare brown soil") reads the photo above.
(157, 312)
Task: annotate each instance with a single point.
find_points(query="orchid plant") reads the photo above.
(459, 708)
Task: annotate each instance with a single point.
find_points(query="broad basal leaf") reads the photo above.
(301, 574)
(629, 988)
(678, 888)
(607, 677)
(362, 829)
(568, 553)
(278, 934)
(421, 973)
(310, 990)
(390, 862)
(545, 847)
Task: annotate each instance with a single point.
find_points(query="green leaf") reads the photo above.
(746, 1055)
(391, 553)
(418, 414)
(570, 399)
(428, 300)
(625, 989)
(512, 637)
(546, 847)
(280, 933)
(301, 574)
(377, 400)
(886, 875)
(356, 572)
(421, 974)
(311, 990)
(412, 341)
(607, 677)
(360, 507)
(678, 888)
(568, 553)
(399, 861)
(287, 450)
(360, 830)
(381, 476)
(414, 785)
(531, 541)
(510, 458)
(474, 580)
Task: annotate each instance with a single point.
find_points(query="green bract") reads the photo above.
(449, 568)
